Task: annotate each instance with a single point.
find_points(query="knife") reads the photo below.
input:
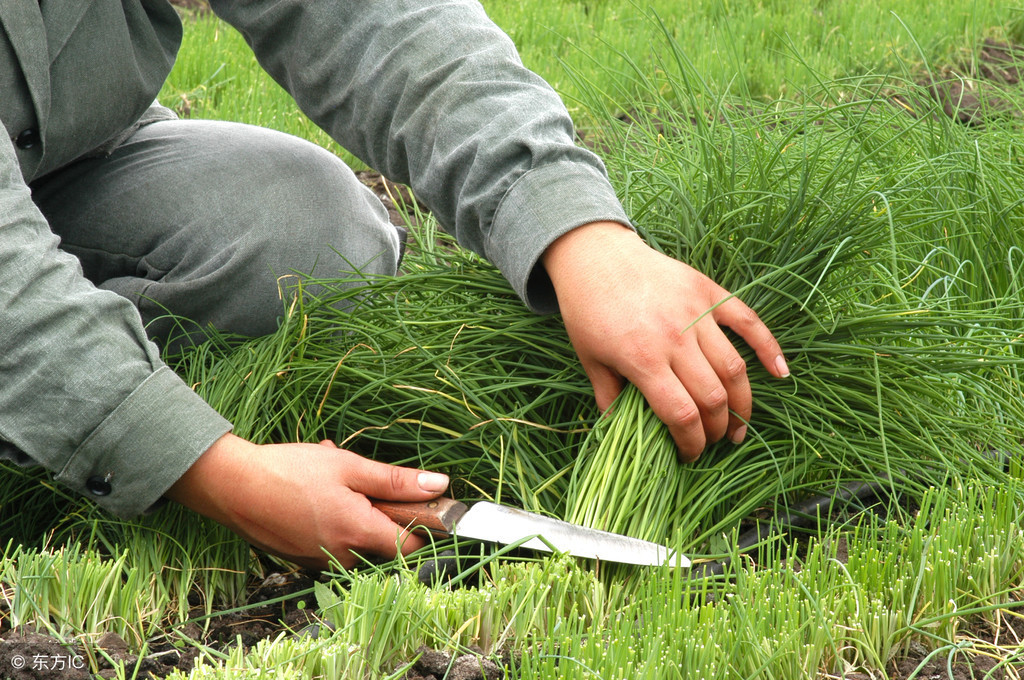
(501, 524)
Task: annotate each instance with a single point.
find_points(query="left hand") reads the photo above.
(299, 500)
(635, 314)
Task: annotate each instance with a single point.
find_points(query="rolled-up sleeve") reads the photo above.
(432, 93)
(83, 391)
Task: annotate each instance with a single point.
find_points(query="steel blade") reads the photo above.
(489, 522)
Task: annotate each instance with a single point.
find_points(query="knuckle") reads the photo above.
(675, 327)
(716, 400)
(358, 538)
(685, 415)
(748, 317)
(643, 360)
(735, 368)
(397, 478)
(745, 320)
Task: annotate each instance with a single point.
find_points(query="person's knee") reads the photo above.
(210, 221)
(317, 219)
(311, 249)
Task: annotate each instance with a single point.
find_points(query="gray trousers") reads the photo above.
(207, 220)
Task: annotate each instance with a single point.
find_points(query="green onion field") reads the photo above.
(852, 171)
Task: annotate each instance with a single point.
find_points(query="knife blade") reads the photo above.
(502, 524)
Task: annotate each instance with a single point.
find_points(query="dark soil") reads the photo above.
(33, 655)
(982, 659)
(397, 198)
(437, 665)
(974, 92)
(920, 666)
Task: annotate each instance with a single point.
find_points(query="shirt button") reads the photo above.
(99, 486)
(28, 138)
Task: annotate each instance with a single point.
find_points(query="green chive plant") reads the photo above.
(849, 601)
(184, 554)
(409, 369)
(280, 657)
(758, 50)
(879, 240)
(902, 332)
(72, 592)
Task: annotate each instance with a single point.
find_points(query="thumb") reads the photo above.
(392, 482)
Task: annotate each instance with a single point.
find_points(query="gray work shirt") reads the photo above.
(430, 93)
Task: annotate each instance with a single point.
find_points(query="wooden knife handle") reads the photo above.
(438, 516)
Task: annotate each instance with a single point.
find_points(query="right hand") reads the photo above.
(635, 314)
(297, 500)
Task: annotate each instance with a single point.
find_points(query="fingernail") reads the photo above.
(781, 367)
(432, 481)
(739, 434)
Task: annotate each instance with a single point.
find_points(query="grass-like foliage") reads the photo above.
(879, 239)
(859, 234)
(844, 226)
(900, 584)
